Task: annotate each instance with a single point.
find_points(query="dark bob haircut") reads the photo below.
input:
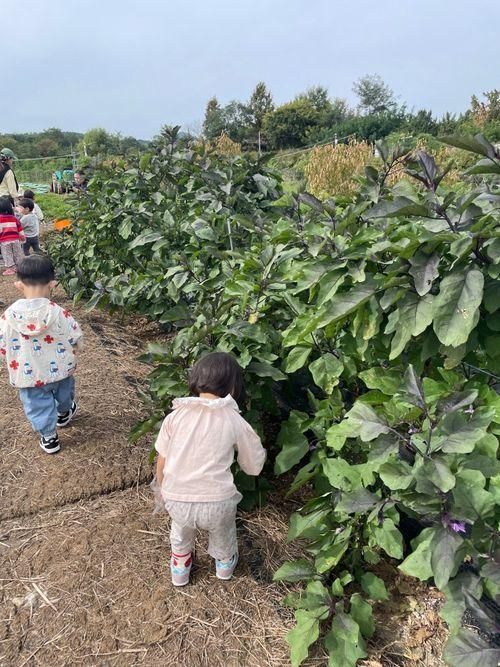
(6, 206)
(27, 203)
(217, 373)
(36, 270)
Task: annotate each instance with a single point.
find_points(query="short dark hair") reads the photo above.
(36, 270)
(29, 194)
(27, 203)
(217, 373)
(6, 206)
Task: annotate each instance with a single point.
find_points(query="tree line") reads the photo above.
(311, 117)
(54, 142)
(314, 116)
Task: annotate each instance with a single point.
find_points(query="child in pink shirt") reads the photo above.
(196, 447)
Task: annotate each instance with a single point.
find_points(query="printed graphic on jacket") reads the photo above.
(38, 340)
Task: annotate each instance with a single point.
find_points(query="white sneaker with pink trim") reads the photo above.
(180, 568)
(224, 569)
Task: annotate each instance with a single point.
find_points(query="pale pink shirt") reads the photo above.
(198, 441)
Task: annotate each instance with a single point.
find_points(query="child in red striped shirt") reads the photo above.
(11, 237)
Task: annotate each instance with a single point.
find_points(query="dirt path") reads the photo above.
(95, 456)
(83, 562)
(82, 559)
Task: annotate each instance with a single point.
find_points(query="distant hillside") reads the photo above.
(54, 142)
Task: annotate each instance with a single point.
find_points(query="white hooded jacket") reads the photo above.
(38, 340)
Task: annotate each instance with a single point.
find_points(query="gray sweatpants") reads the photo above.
(218, 518)
(12, 253)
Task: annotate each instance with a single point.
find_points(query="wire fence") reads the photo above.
(296, 151)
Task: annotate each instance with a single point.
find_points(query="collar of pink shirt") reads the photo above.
(213, 403)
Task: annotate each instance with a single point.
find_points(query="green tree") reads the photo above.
(287, 125)
(213, 123)
(260, 103)
(339, 111)
(374, 94)
(98, 142)
(234, 119)
(318, 98)
(237, 120)
(448, 124)
(422, 122)
(47, 147)
(488, 111)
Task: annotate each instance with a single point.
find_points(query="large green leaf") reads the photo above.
(293, 443)
(413, 316)
(362, 613)
(418, 562)
(400, 207)
(471, 501)
(387, 381)
(446, 547)
(360, 500)
(455, 434)
(341, 474)
(396, 474)
(412, 388)
(364, 422)
(437, 470)
(424, 271)
(374, 586)
(331, 556)
(305, 633)
(344, 642)
(339, 306)
(326, 371)
(145, 238)
(296, 570)
(387, 537)
(467, 649)
(306, 525)
(476, 144)
(454, 608)
(297, 358)
(456, 306)
(457, 400)
(264, 370)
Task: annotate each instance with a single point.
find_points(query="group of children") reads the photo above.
(19, 229)
(197, 443)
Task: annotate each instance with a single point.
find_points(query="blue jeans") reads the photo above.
(43, 404)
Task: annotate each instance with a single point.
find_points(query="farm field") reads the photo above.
(367, 328)
(83, 559)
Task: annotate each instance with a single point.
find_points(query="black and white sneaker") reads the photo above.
(64, 419)
(50, 445)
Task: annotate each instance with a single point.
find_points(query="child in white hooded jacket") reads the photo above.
(38, 340)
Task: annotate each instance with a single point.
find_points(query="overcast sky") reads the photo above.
(132, 66)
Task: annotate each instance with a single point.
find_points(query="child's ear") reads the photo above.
(52, 284)
(19, 285)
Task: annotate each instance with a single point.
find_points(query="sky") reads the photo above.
(133, 66)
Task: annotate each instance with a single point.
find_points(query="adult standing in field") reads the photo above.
(8, 181)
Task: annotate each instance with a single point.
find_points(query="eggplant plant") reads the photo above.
(370, 334)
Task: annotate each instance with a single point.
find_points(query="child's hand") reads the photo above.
(156, 489)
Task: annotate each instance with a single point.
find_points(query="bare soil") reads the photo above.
(83, 561)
